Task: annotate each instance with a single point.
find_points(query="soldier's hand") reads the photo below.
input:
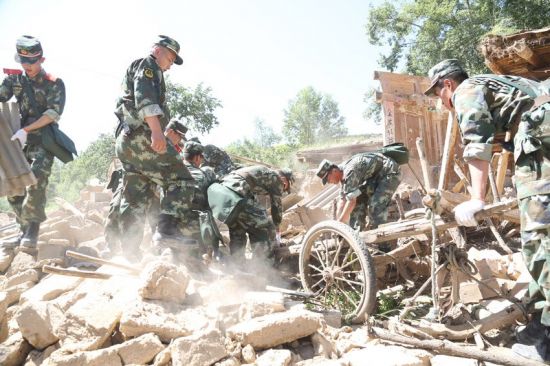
(158, 142)
(464, 213)
(20, 135)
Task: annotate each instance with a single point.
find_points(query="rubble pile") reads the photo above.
(163, 314)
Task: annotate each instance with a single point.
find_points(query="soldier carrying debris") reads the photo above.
(368, 181)
(41, 98)
(147, 159)
(234, 202)
(485, 105)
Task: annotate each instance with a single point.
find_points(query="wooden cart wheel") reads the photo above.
(336, 266)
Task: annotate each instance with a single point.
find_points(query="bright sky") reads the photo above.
(256, 55)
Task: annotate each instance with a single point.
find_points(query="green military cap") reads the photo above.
(324, 168)
(192, 148)
(287, 173)
(172, 45)
(29, 50)
(440, 70)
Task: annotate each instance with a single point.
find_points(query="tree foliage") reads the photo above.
(423, 32)
(197, 106)
(373, 111)
(67, 180)
(312, 117)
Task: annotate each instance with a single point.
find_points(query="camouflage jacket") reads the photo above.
(49, 94)
(484, 107)
(258, 180)
(362, 172)
(143, 94)
(203, 178)
(219, 160)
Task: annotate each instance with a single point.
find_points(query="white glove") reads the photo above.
(278, 239)
(20, 135)
(464, 213)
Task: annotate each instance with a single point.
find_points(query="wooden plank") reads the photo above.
(448, 152)
(503, 166)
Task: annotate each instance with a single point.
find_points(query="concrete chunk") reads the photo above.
(14, 350)
(164, 281)
(274, 329)
(392, 356)
(141, 350)
(37, 322)
(37, 358)
(50, 288)
(167, 320)
(200, 349)
(444, 360)
(274, 357)
(29, 275)
(261, 303)
(20, 263)
(14, 292)
(6, 257)
(101, 357)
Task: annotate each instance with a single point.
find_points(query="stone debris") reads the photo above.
(164, 281)
(168, 316)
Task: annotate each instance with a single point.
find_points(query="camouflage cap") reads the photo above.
(324, 168)
(192, 148)
(287, 173)
(172, 45)
(195, 139)
(440, 70)
(29, 50)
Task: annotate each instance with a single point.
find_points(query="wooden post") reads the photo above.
(423, 163)
(503, 165)
(448, 149)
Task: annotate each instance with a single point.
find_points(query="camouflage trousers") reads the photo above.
(144, 170)
(254, 221)
(30, 207)
(535, 215)
(374, 202)
(132, 224)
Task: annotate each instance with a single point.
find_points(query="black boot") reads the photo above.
(30, 238)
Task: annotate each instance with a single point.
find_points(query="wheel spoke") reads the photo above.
(316, 283)
(350, 281)
(315, 268)
(318, 256)
(349, 263)
(323, 241)
(347, 297)
(338, 248)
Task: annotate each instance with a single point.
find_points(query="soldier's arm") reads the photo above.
(55, 105)
(6, 89)
(478, 129)
(346, 211)
(147, 101)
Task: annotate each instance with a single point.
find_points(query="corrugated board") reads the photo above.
(15, 172)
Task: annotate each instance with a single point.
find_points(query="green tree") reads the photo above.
(312, 117)
(421, 33)
(197, 106)
(373, 110)
(264, 135)
(67, 180)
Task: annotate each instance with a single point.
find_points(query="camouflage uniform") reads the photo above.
(219, 160)
(49, 94)
(486, 106)
(253, 218)
(372, 179)
(196, 217)
(144, 95)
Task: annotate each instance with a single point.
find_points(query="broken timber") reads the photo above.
(423, 226)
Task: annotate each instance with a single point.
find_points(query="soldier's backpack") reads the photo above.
(397, 151)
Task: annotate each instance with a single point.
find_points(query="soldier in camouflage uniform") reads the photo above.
(198, 223)
(41, 99)
(219, 160)
(252, 218)
(486, 105)
(368, 182)
(147, 159)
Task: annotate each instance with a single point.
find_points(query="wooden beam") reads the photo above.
(448, 150)
(423, 163)
(502, 166)
(525, 52)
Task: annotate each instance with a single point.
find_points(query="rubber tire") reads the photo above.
(368, 300)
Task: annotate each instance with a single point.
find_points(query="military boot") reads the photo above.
(30, 238)
(12, 243)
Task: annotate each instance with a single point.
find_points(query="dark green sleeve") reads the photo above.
(55, 100)
(6, 89)
(147, 92)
